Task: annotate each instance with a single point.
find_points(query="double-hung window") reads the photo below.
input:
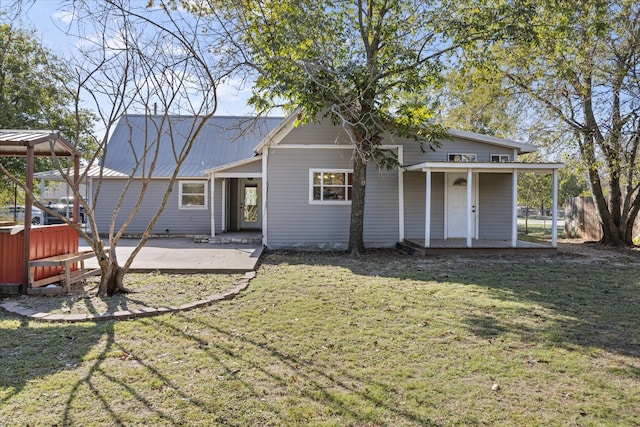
(330, 186)
(462, 157)
(500, 158)
(193, 195)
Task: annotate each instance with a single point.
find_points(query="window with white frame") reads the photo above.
(500, 158)
(462, 157)
(193, 195)
(330, 185)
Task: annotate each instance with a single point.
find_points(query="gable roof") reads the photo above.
(288, 124)
(222, 140)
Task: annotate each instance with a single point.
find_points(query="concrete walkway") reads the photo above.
(183, 255)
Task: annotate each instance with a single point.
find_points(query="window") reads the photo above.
(193, 195)
(462, 157)
(499, 158)
(330, 186)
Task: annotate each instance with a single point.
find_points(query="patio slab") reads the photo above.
(183, 255)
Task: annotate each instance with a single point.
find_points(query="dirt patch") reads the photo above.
(588, 251)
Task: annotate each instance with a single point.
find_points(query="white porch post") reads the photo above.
(265, 187)
(212, 192)
(554, 214)
(514, 209)
(427, 210)
(223, 213)
(469, 207)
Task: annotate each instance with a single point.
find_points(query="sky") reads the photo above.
(49, 18)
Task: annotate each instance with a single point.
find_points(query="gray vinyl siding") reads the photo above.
(253, 167)
(414, 193)
(325, 133)
(177, 221)
(294, 222)
(316, 134)
(381, 220)
(483, 151)
(495, 206)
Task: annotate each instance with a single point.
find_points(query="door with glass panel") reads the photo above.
(249, 199)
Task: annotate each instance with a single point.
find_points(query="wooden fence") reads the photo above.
(581, 219)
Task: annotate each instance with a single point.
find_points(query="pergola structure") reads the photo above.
(32, 144)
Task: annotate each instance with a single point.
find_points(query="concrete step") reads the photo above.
(230, 238)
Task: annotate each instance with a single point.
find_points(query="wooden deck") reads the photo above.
(478, 247)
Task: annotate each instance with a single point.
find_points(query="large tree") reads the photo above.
(580, 61)
(33, 96)
(364, 64)
(136, 58)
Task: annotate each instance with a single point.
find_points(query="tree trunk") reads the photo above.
(356, 229)
(111, 277)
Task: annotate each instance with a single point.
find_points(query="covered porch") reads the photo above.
(470, 205)
(237, 195)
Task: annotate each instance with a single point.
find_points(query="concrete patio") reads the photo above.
(183, 255)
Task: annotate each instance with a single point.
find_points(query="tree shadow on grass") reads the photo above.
(585, 303)
(34, 350)
(325, 386)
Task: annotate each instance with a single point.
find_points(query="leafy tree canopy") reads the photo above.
(364, 64)
(579, 61)
(33, 95)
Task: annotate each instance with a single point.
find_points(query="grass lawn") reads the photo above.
(325, 339)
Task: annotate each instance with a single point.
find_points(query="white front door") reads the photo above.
(249, 199)
(456, 201)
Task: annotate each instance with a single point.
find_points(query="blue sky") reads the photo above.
(48, 17)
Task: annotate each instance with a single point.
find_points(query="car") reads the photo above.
(64, 206)
(16, 213)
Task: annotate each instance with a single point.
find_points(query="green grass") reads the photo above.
(325, 339)
(147, 290)
(536, 232)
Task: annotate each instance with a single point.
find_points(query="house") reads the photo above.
(188, 211)
(292, 184)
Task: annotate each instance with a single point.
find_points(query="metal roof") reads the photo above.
(93, 172)
(222, 140)
(14, 142)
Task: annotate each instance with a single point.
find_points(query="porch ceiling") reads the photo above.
(495, 167)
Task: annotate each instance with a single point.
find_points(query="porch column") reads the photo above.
(427, 209)
(212, 192)
(514, 209)
(223, 198)
(469, 207)
(554, 214)
(265, 187)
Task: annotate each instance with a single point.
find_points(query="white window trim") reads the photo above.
(206, 195)
(500, 156)
(475, 157)
(326, 202)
